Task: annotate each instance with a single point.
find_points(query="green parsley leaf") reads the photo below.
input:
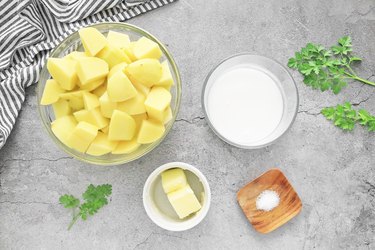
(326, 69)
(345, 117)
(95, 198)
(69, 201)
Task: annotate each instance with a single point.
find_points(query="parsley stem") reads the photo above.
(364, 80)
(75, 218)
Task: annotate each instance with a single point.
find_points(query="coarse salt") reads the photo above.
(267, 200)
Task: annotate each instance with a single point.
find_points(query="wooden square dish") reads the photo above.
(290, 204)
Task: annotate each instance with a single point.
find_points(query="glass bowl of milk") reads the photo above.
(250, 101)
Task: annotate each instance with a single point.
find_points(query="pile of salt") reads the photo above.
(267, 200)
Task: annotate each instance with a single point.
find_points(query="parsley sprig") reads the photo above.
(326, 69)
(345, 117)
(95, 197)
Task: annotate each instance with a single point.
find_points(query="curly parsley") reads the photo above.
(94, 197)
(345, 117)
(326, 69)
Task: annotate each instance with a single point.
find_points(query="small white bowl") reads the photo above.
(160, 210)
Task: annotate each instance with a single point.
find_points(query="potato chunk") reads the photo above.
(101, 145)
(75, 99)
(168, 115)
(120, 88)
(116, 68)
(157, 102)
(61, 108)
(121, 127)
(93, 117)
(63, 127)
(150, 131)
(81, 137)
(146, 48)
(145, 71)
(113, 56)
(126, 147)
(106, 106)
(166, 79)
(63, 71)
(91, 69)
(51, 92)
(117, 39)
(90, 101)
(133, 106)
(93, 41)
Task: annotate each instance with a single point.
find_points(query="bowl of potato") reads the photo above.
(109, 93)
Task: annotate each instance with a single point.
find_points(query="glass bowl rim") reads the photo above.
(212, 126)
(151, 146)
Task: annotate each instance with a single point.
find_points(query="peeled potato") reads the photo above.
(91, 69)
(157, 102)
(126, 147)
(150, 131)
(62, 127)
(145, 71)
(61, 108)
(51, 93)
(81, 136)
(111, 98)
(146, 48)
(121, 127)
(119, 87)
(101, 145)
(133, 106)
(93, 41)
(63, 71)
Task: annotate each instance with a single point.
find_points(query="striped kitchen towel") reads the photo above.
(29, 29)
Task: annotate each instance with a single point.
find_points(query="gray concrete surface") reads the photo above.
(332, 171)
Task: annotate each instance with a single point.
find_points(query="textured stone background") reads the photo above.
(332, 171)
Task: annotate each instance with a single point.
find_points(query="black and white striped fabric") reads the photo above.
(29, 29)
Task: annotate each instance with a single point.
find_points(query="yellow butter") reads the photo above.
(184, 201)
(173, 179)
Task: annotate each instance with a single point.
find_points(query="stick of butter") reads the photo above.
(184, 201)
(173, 179)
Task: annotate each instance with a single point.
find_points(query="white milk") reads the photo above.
(245, 105)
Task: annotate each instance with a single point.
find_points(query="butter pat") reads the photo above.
(173, 179)
(184, 201)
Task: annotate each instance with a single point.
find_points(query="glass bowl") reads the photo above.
(72, 43)
(272, 69)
